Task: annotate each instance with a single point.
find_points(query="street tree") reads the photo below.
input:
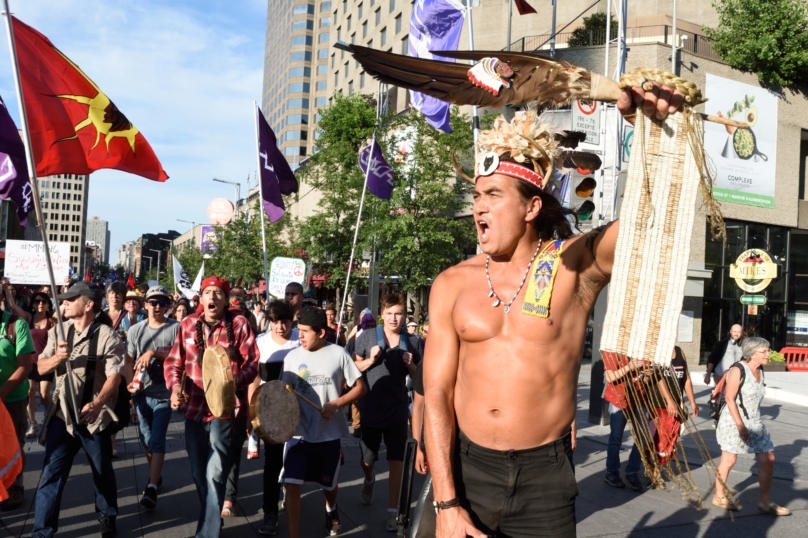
(593, 32)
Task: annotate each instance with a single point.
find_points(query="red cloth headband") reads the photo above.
(492, 165)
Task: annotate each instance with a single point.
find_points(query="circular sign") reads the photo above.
(587, 106)
(754, 270)
(220, 211)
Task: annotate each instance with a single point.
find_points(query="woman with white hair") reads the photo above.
(740, 430)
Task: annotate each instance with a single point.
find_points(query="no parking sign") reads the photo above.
(586, 119)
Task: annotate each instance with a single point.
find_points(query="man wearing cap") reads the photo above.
(207, 438)
(96, 356)
(147, 346)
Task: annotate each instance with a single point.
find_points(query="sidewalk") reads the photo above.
(787, 387)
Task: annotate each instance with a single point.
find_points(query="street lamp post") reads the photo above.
(192, 223)
(238, 189)
(170, 252)
(150, 262)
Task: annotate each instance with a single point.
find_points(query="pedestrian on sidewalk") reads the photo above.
(147, 346)
(740, 429)
(208, 439)
(725, 353)
(317, 370)
(97, 360)
(367, 322)
(386, 356)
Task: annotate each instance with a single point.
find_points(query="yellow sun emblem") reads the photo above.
(101, 114)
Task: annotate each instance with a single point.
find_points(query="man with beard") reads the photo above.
(208, 439)
(499, 446)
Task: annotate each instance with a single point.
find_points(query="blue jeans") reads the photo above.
(153, 418)
(617, 424)
(236, 446)
(60, 449)
(208, 446)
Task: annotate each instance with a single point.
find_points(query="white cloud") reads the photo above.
(186, 74)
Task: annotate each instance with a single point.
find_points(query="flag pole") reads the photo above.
(261, 195)
(29, 154)
(475, 118)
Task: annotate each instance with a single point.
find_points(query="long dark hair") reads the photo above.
(553, 221)
(32, 304)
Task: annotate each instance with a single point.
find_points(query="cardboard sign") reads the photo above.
(282, 272)
(25, 262)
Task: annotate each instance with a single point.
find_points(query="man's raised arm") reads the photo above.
(441, 360)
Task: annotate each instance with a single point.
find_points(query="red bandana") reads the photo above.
(518, 171)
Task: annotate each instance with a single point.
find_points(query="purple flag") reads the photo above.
(435, 25)
(276, 176)
(14, 182)
(380, 177)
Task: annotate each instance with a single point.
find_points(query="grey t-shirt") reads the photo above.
(319, 376)
(386, 402)
(142, 338)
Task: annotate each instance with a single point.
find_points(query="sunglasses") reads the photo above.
(41, 301)
(158, 302)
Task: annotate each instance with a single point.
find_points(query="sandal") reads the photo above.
(774, 510)
(227, 509)
(726, 504)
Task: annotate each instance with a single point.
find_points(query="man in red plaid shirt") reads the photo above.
(208, 439)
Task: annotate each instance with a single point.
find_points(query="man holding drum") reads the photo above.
(207, 437)
(317, 371)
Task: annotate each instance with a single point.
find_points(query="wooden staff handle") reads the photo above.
(724, 121)
(296, 393)
(181, 395)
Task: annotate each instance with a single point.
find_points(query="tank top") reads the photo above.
(40, 338)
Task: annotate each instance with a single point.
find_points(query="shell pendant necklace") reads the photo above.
(492, 293)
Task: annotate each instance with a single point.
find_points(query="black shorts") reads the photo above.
(311, 462)
(34, 375)
(395, 439)
(514, 493)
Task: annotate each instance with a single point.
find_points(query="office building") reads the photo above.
(154, 251)
(64, 206)
(98, 233)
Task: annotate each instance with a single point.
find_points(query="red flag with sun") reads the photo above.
(74, 127)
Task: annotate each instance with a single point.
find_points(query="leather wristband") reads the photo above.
(445, 504)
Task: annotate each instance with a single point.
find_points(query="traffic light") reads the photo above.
(582, 195)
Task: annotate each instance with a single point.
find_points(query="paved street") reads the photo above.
(602, 510)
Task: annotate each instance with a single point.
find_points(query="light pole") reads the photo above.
(238, 189)
(192, 223)
(150, 262)
(170, 252)
(159, 253)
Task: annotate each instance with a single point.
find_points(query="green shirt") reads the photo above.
(8, 356)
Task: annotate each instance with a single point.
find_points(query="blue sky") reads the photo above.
(186, 74)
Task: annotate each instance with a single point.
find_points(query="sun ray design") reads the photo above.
(101, 114)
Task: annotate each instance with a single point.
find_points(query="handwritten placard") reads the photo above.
(282, 272)
(25, 262)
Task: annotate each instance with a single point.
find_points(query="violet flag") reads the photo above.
(275, 174)
(14, 182)
(435, 25)
(380, 176)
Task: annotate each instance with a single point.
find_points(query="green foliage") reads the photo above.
(767, 38)
(593, 32)
(776, 356)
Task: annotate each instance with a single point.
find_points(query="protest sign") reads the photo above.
(25, 262)
(282, 272)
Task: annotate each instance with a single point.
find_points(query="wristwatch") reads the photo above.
(445, 504)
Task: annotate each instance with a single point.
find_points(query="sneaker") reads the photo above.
(227, 509)
(30, 433)
(634, 482)
(614, 480)
(392, 521)
(108, 528)
(149, 499)
(270, 526)
(332, 523)
(367, 491)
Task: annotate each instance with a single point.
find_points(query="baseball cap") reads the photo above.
(157, 291)
(313, 317)
(219, 282)
(83, 289)
(412, 324)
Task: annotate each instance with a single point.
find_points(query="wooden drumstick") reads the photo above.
(181, 395)
(296, 393)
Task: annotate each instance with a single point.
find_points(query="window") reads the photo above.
(398, 23)
(333, 60)
(297, 135)
(56, 195)
(294, 151)
(300, 72)
(302, 25)
(322, 54)
(365, 29)
(344, 6)
(320, 101)
(347, 69)
(301, 56)
(370, 44)
(392, 5)
(303, 9)
(339, 34)
(322, 85)
(353, 39)
(325, 21)
(378, 16)
(303, 40)
(405, 45)
(350, 88)
(362, 79)
(299, 87)
(383, 37)
(297, 103)
(322, 69)
(322, 38)
(336, 78)
(325, 6)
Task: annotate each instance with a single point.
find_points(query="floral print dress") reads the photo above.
(727, 432)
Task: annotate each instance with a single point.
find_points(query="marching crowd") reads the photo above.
(137, 354)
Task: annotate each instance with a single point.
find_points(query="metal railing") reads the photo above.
(695, 43)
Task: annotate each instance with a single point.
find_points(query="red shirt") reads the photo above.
(184, 356)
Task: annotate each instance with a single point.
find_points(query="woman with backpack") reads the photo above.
(740, 429)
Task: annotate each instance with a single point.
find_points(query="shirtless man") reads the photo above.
(499, 446)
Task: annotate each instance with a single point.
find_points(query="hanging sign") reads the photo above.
(757, 300)
(754, 270)
(586, 119)
(25, 262)
(282, 272)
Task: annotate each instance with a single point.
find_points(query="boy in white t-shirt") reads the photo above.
(317, 370)
(273, 346)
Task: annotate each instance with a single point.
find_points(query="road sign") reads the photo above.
(758, 300)
(586, 119)
(752, 310)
